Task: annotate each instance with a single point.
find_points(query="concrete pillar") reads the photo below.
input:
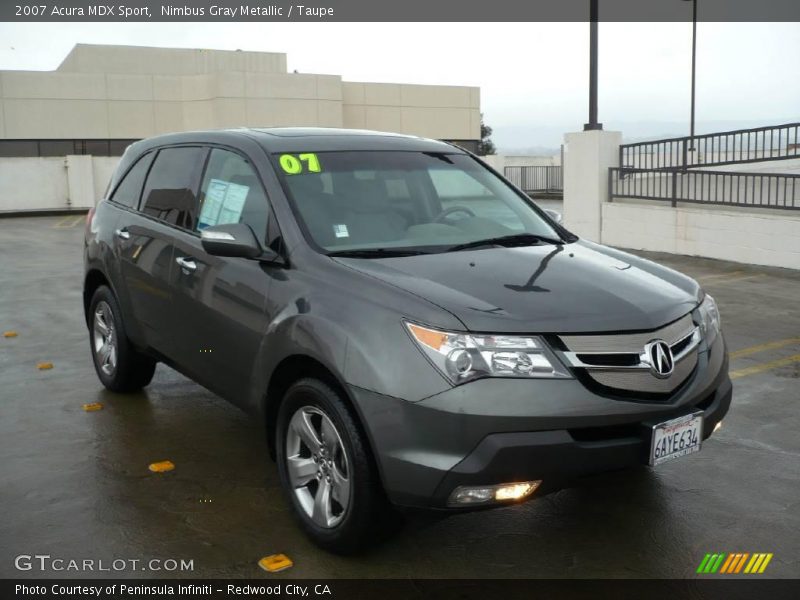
(80, 181)
(587, 157)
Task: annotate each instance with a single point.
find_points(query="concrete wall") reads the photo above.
(89, 58)
(33, 182)
(71, 182)
(446, 112)
(501, 161)
(96, 105)
(102, 170)
(129, 92)
(760, 237)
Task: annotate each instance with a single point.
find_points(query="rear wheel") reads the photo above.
(326, 469)
(119, 366)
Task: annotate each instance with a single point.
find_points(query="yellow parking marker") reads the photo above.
(61, 223)
(9, 334)
(162, 466)
(93, 406)
(719, 276)
(68, 222)
(730, 277)
(44, 366)
(766, 346)
(275, 562)
(774, 364)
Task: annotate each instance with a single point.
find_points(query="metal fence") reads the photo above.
(723, 188)
(536, 179)
(775, 142)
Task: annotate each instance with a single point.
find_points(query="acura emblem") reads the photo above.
(659, 355)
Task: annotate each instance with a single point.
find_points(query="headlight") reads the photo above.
(709, 319)
(462, 357)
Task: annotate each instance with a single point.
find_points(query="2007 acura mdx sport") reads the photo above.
(411, 329)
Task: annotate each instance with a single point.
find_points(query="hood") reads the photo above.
(575, 288)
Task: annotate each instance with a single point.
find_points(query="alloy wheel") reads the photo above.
(105, 338)
(317, 466)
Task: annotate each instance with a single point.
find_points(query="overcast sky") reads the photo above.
(533, 76)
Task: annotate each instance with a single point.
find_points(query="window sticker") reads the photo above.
(294, 165)
(234, 203)
(223, 204)
(340, 231)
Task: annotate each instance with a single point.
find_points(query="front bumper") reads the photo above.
(505, 430)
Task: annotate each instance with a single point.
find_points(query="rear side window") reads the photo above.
(232, 193)
(171, 188)
(129, 190)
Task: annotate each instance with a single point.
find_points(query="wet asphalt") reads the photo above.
(76, 484)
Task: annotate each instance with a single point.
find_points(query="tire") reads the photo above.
(360, 521)
(118, 364)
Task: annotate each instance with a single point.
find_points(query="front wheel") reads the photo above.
(326, 469)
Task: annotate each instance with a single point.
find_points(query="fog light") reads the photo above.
(717, 427)
(515, 491)
(504, 492)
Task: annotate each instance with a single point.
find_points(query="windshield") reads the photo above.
(404, 201)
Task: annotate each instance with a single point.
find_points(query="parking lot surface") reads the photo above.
(76, 484)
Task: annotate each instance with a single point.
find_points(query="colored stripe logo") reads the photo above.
(734, 563)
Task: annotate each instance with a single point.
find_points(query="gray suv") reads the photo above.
(410, 328)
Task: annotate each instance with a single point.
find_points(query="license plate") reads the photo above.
(676, 438)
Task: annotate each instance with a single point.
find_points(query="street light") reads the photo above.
(694, 55)
(592, 124)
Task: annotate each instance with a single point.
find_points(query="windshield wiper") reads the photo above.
(520, 239)
(375, 253)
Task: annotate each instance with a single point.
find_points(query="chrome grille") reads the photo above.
(643, 381)
(628, 342)
(619, 361)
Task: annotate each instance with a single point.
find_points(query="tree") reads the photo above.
(486, 145)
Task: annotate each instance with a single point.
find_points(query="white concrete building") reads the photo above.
(61, 131)
(126, 92)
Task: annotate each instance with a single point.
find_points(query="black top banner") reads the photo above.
(394, 10)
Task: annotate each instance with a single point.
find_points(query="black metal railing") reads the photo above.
(776, 142)
(723, 188)
(536, 179)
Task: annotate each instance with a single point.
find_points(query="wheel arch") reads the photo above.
(93, 280)
(293, 368)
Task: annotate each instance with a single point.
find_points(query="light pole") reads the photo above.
(592, 124)
(694, 62)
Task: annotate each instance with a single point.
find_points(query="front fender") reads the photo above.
(364, 346)
(295, 335)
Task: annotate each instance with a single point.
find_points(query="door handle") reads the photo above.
(186, 263)
(123, 234)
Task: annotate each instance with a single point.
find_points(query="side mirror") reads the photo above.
(554, 214)
(233, 239)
